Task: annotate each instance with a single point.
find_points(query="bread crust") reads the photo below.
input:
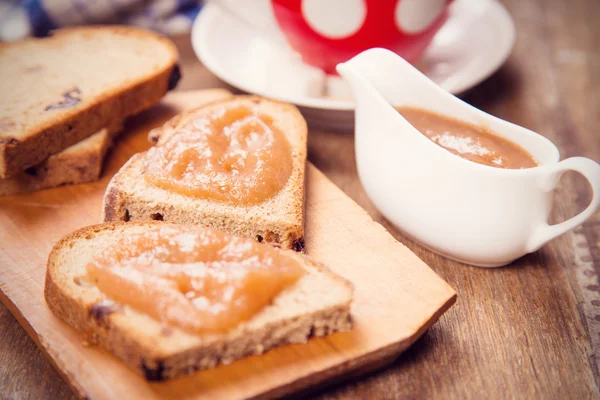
(22, 151)
(279, 220)
(105, 324)
(79, 163)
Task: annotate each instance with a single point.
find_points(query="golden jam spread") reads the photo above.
(197, 279)
(468, 141)
(233, 155)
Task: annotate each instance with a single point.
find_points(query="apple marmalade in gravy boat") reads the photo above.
(468, 141)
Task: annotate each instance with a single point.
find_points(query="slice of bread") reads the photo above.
(59, 90)
(79, 163)
(278, 220)
(316, 305)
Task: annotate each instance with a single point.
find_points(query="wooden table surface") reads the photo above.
(529, 330)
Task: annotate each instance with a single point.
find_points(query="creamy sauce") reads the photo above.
(197, 279)
(233, 155)
(468, 141)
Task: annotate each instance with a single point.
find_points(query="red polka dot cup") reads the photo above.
(328, 32)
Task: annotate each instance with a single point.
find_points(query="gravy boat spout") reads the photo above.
(470, 212)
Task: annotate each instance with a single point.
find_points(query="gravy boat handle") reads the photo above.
(591, 171)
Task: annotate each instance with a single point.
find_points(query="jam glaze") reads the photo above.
(196, 279)
(233, 154)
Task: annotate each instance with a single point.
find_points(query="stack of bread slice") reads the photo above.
(66, 97)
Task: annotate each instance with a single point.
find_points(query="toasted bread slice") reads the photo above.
(316, 305)
(79, 163)
(278, 220)
(59, 90)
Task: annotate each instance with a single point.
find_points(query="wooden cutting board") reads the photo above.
(397, 296)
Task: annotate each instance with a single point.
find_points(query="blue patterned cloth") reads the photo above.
(21, 18)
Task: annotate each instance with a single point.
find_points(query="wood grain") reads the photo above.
(396, 299)
(531, 328)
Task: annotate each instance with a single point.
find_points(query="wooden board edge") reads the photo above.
(355, 367)
(54, 361)
(311, 169)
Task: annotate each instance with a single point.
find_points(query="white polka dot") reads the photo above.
(414, 16)
(334, 19)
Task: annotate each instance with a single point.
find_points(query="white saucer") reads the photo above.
(249, 60)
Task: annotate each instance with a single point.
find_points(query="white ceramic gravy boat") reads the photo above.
(470, 212)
